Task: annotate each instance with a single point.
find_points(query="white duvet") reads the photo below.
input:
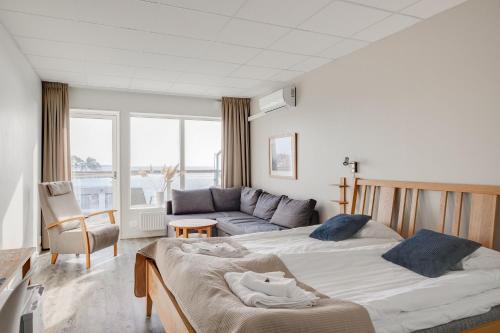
(397, 299)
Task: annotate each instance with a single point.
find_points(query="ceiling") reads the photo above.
(199, 47)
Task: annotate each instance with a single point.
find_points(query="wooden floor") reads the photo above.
(97, 300)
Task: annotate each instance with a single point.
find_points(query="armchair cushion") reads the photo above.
(59, 188)
(101, 235)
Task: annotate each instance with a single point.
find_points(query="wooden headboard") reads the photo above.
(389, 199)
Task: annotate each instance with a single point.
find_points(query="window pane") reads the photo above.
(91, 144)
(200, 180)
(154, 144)
(203, 143)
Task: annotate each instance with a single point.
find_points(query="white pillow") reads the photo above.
(374, 229)
(482, 258)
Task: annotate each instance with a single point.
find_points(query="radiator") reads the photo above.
(152, 221)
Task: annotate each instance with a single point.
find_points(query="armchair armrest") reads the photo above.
(110, 213)
(100, 212)
(68, 219)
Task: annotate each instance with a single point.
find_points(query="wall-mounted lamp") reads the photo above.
(353, 164)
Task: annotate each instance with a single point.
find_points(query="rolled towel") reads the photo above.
(300, 298)
(223, 250)
(273, 283)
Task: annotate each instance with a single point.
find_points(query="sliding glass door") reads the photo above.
(94, 160)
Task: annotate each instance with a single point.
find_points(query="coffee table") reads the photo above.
(182, 227)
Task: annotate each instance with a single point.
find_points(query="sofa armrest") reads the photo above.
(169, 207)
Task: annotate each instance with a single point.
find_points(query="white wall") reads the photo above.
(423, 104)
(20, 139)
(126, 103)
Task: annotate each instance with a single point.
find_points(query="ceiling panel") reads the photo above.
(154, 74)
(224, 7)
(344, 19)
(285, 75)
(53, 8)
(27, 25)
(304, 42)
(389, 26)
(57, 64)
(150, 85)
(47, 48)
(100, 35)
(107, 81)
(288, 13)
(183, 22)
(109, 69)
(132, 13)
(113, 56)
(344, 47)
(392, 5)
(428, 8)
(250, 33)
(209, 67)
(310, 63)
(229, 53)
(202, 79)
(255, 72)
(174, 45)
(275, 59)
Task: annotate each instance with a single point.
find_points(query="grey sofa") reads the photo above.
(240, 210)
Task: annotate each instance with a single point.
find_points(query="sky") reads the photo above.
(153, 141)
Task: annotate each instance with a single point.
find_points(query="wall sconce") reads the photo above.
(353, 164)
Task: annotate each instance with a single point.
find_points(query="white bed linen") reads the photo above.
(298, 241)
(397, 299)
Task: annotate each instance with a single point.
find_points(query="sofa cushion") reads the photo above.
(245, 225)
(226, 199)
(266, 205)
(292, 213)
(248, 199)
(193, 201)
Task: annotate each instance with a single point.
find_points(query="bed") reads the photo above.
(396, 299)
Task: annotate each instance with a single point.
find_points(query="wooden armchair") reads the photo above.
(69, 232)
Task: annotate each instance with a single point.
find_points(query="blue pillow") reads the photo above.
(340, 227)
(430, 253)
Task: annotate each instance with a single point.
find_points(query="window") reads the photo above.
(202, 151)
(158, 142)
(154, 144)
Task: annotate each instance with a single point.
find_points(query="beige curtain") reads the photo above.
(56, 160)
(235, 142)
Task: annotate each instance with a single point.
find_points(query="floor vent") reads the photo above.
(153, 221)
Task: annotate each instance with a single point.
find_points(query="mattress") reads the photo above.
(397, 299)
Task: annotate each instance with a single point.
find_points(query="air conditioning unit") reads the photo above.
(280, 99)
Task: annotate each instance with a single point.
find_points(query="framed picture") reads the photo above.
(283, 156)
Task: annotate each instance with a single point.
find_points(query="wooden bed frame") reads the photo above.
(388, 200)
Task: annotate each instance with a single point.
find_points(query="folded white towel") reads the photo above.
(224, 250)
(273, 283)
(298, 299)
